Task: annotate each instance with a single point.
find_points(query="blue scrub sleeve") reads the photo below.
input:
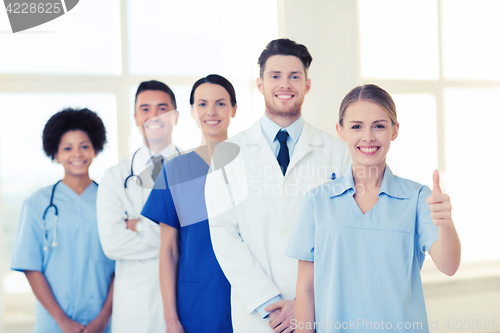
(301, 245)
(28, 248)
(160, 206)
(427, 231)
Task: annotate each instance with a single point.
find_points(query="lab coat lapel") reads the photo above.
(146, 173)
(254, 136)
(142, 158)
(308, 138)
(147, 179)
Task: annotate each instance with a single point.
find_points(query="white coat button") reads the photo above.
(284, 232)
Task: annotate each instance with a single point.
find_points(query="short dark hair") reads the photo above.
(73, 120)
(156, 85)
(285, 46)
(214, 79)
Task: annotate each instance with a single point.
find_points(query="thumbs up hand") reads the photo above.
(439, 204)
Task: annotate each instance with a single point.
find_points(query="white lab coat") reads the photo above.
(137, 302)
(252, 217)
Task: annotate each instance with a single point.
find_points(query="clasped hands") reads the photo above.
(282, 312)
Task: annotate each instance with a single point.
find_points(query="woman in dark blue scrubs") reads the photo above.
(196, 294)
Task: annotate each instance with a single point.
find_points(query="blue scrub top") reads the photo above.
(366, 266)
(203, 292)
(77, 270)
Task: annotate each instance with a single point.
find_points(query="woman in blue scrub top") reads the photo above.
(61, 255)
(361, 239)
(196, 294)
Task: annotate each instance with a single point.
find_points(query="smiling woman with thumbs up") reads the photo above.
(361, 239)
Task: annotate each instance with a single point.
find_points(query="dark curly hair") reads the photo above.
(72, 120)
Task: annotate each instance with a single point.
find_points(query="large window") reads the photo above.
(439, 60)
(95, 56)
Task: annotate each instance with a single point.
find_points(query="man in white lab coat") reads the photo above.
(253, 198)
(134, 241)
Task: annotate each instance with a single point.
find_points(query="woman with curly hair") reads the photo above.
(57, 244)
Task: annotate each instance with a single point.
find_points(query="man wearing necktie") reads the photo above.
(157, 165)
(134, 241)
(254, 199)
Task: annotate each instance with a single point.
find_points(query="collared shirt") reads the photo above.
(143, 162)
(270, 129)
(366, 266)
(168, 153)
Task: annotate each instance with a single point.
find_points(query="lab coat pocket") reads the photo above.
(189, 306)
(130, 303)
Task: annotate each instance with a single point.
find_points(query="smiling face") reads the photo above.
(368, 131)
(155, 117)
(75, 153)
(284, 84)
(213, 111)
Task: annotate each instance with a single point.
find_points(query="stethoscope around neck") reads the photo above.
(46, 246)
(132, 175)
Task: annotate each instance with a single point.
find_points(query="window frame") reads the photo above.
(435, 88)
(118, 85)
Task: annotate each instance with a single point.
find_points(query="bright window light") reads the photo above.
(470, 39)
(472, 168)
(91, 47)
(413, 154)
(197, 38)
(398, 39)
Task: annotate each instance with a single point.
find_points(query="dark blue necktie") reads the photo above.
(283, 155)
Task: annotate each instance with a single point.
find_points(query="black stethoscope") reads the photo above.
(132, 168)
(56, 216)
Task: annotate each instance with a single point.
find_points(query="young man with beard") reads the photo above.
(132, 241)
(253, 200)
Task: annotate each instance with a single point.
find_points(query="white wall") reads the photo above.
(329, 29)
